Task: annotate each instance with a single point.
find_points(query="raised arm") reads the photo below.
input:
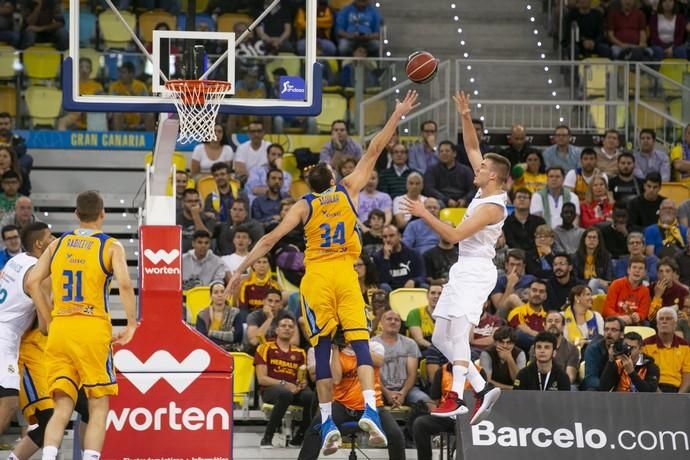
(469, 135)
(355, 181)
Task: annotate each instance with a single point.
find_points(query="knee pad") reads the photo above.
(361, 349)
(322, 355)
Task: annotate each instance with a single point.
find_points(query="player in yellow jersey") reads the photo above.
(80, 265)
(329, 291)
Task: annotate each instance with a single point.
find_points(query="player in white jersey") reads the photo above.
(473, 277)
(17, 313)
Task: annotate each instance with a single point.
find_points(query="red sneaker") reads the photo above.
(484, 401)
(451, 406)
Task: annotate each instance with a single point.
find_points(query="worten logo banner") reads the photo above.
(175, 386)
(532, 425)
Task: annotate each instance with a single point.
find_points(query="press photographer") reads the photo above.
(628, 369)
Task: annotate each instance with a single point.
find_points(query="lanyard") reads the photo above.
(543, 385)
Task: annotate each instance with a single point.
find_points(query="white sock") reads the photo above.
(369, 398)
(326, 410)
(91, 455)
(12, 456)
(476, 380)
(49, 453)
(459, 376)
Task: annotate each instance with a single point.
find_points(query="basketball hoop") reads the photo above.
(197, 103)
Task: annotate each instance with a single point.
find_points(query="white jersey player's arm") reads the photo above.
(483, 215)
(33, 286)
(469, 135)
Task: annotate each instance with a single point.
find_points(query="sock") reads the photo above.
(476, 380)
(326, 410)
(12, 457)
(459, 376)
(91, 455)
(369, 398)
(49, 453)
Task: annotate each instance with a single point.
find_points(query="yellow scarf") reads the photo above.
(672, 235)
(573, 332)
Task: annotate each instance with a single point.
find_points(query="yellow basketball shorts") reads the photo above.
(330, 296)
(78, 353)
(33, 385)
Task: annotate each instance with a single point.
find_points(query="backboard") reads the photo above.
(266, 81)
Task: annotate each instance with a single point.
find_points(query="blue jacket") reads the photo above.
(351, 19)
(596, 356)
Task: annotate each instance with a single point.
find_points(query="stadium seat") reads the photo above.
(113, 32)
(201, 5)
(149, 20)
(675, 191)
(87, 28)
(227, 21)
(41, 62)
(404, 300)
(206, 185)
(339, 4)
(673, 69)
(598, 115)
(375, 114)
(298, 189)
(288, 61)
(7, 58)
(290, 166)
(179, 160)
(593, 73)
(95, 57)
(196, 299)
(242, 380)
(8, 100)
(649, 118)
(44, 105)
(454, 215)
(334, 107)
(644, 331)
(598, 302)
(284, 283)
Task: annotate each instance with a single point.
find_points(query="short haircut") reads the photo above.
(427, 122)
(539, 281)
(287, 201)
(283, 314)
(523, 190)
(569, 204)
(616, 319)
(218, 165)
(517, 254)
(200, 234)
(128, 66)
(636, 260)
(612, 131)
(478, 121)
(501, 166)
(448, 143)
(275, 146)
(632, 335)
(89, 206)
(32, 233)
(556, 168)
(667, 310)
(11, 174)
(273, 291)
(587, 151)
(670, 263)
(5, 115)
(189, 191)
(257, 122)
(649, 131)
(243, 201)
(632, 235)
(335, 122)
(505, 332)
(563, 255)
(625, 155)
(654, 177)
(319, 177)
(546, 337)
(8, 228)
(377, 213)
(562, 127)
(272, 171)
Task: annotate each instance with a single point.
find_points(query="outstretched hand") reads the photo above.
(462, 102)
(416, 208)
(407, 104)
(233, 284)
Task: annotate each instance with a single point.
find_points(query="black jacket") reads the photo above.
(645, 379)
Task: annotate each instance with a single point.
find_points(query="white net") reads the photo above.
(197, 103)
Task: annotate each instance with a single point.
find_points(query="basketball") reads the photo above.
(421, 67)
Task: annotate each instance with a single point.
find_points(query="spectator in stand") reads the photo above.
(625, 185)
(598, 204)
(370, 199)
(484, 146)
(562, 153)
(667, 28)
(242, 241)
(256, 184)
(592, 32)
(543, 374)
(17, 142)
(367, 277)
(567, 235)
(539, 259)
(10, 182)
(281, 383)
(275, 29)
(393, 180)
(227, 6)
(239, 215)
(128, 85)
(219, 204)
(649, 158)
(597, 352)
(666, 291)
(559, 286)
(582, 324)
(266, 208)
(200, 266)
(645, 209)
(372, 238)
(219, 321)
(87, 86)
(528, 319)
(593, 262)
(414, 186)
(253, 153)
(578, 180)
(503, 360)
(22, 216)
(680, 157)
(425, 427)
(519, 227)
(340, 144)
(628, 299)
(250, 86)
(345, 168)
(630, 370)
(371, 72)
(181, 181)
(512, 288)
(253, 290)
(207, 154)
(418, 235)
(483, 333)
(667, 237)
(438, 261)
(43, 21)
(192, 218)
(567, 355)
(607, 154)
(627, 33)
(12, 242)
(518, 145)
(533, 178)
(548, 201)
(9, 162)
(358, 22)
(420, 321)
(325, 20)
(449, 181)
(399, 266)
(636, 247)
(401, 359)
(7, 33)
(616, 234)
(423, 154)
(670, 353)
(262, 322)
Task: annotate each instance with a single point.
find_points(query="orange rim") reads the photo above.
(194, 92)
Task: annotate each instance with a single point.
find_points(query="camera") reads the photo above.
(621, 348)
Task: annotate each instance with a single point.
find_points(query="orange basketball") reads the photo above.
(421, 67)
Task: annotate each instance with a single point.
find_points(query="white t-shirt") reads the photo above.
(199, 154)
(666, 28)
(232, 262)
(16, 308)
(250, 157)
(537, 207)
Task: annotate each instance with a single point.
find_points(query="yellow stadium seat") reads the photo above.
(644, 331)
(95, 57)
(675, 191)
(676, 109)
(298, 189)
(8, 100)
(242, 378)
(201, 6)
(673, 69)
(598, 302)
(196, 299)
(290, 166)
(650, 119)
(339, 4)
(8, 56)
(44, 104)
(206, 186)
(284, 283)
(598, 114)
(454, 215)
(179, 160)
(289, 61)
(375, 114)
(113, 32)
(149, 20)
(404, 300)
(334, 107)
(593, 72)
(227, 21)
(41, 62)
